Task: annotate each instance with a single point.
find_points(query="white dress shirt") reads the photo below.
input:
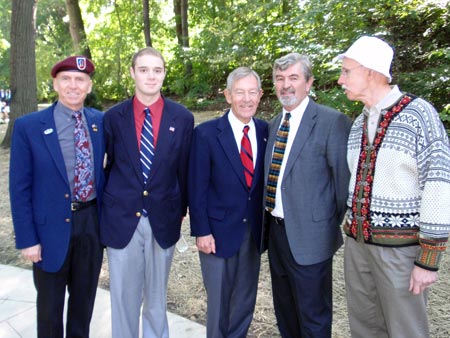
(238, 131)
(294, 124)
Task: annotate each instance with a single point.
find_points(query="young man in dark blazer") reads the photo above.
(148, 139)
(225, 205)
(307, 184)
(56, 183)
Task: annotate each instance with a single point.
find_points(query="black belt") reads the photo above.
(75, 206)
(277, 220)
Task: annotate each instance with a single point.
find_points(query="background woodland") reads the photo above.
(203, 41)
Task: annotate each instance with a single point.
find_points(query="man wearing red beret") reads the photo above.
(56, 184)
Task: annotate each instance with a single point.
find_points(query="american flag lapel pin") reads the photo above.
(94, 127)
(172, 129)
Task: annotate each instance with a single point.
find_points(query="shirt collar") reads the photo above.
(61, 108)
(139, 106)
(299, 110)
(392, 97)
(237, 124)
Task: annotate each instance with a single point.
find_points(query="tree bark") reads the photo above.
(77, 31)
(184, 23)
(22, 62)
(178, 29)
(146, 17)
(180, 8)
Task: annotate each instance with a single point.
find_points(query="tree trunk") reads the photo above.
(285, 7)
(146, 15)
(185, 36)
(180, 8)
(184, 23)
(22, 62)
(178, 29)
(77, 31)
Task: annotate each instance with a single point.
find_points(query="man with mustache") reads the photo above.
(307, 181)
(399, 216)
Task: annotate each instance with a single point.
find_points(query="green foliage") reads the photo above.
(228, 34)
(53, 43)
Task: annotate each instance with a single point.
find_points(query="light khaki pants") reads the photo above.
(378, 300)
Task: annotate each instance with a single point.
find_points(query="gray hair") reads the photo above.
(147, 51)
(290, 59)
(240, 73)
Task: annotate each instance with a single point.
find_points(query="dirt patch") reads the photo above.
(186, 294)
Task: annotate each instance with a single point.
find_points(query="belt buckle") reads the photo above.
(73, 206)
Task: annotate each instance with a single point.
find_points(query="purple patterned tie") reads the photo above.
(83, 183)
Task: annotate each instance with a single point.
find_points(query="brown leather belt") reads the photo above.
(75, 206)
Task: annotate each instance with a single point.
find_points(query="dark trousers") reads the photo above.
(79, 274)
(302, 294)
(231, 285)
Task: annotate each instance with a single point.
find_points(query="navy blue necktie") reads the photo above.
(147, 148)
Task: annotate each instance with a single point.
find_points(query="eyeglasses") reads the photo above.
(345, 72)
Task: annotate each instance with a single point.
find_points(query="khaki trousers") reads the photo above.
(378, 300)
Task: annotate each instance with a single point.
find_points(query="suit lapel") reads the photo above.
(261, 140)
(50, 136)
(167, 130)
(306, 125)
(129, 139)
(93, 125)
(273, 129)
(228, 143)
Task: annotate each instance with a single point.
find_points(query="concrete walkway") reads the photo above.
(18, 310)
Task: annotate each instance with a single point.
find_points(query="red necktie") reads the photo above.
(247, 157)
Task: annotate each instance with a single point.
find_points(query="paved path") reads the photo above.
(18, 310)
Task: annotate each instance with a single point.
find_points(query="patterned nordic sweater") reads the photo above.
(399, 192)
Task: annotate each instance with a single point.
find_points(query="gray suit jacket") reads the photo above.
(314, 186)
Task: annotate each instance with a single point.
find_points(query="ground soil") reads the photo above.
(186, 294)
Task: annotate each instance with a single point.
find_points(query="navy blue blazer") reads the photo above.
(39, 188)
(220, 202)
(165, 194)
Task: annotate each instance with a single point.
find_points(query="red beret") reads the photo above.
(77, 63)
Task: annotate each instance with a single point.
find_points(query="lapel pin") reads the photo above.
(172, 129)
(94, 127)
(48, 131)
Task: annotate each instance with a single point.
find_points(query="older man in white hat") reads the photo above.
(399, 195)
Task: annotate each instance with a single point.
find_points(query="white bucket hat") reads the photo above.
(372, 53)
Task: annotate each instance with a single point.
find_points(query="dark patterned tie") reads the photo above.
(83, 178)
(147, 149)
(277, 160)
(247, 157)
